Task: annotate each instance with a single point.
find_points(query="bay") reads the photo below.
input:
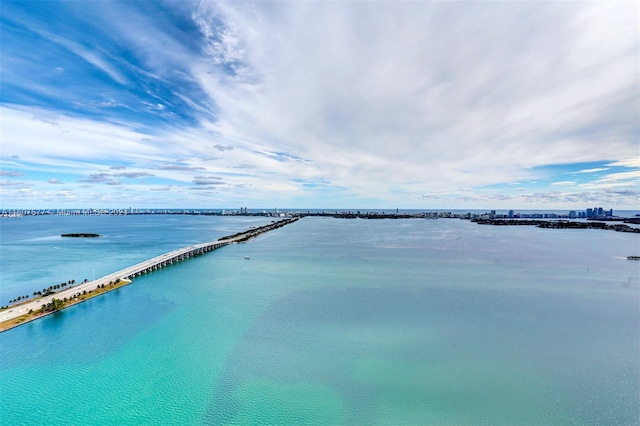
(329, 322)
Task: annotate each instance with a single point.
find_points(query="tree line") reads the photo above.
(44, 292)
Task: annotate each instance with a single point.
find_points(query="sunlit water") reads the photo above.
(330, 322)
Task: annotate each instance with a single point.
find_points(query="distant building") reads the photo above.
(573, 214)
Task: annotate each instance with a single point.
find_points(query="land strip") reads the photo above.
(558, 224)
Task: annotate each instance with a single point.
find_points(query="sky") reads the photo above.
(332, 104)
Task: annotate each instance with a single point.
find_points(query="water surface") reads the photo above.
(330, 322)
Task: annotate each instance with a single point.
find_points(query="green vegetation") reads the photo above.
(59, 304)
(54, 305)
(19, 298)
(50, 290)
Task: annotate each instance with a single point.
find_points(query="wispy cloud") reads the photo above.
(97, 178)
(10, 174)
(208, 180)
(181, 168)
(564, 183)
(134, 175)
(622, 176)
(594, 170)
(630, 179)
(627, 162)
(12, 183)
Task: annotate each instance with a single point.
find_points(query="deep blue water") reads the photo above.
(330, 322)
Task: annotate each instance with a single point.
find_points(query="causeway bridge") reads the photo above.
(141, 268)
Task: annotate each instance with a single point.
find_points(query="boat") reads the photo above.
(247, 258)
(633, 257)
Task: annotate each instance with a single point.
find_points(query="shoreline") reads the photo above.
(560, 224)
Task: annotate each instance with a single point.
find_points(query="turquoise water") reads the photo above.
(330, 322)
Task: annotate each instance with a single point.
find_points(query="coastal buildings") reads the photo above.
(597, 213)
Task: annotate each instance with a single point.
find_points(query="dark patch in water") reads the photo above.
(307, 337)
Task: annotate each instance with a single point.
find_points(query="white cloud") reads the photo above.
(594, 170)
(41, 137)
(629, 180)
(628, 162)
(622, 176)
(424, 94)
(10, 174)
(564, 183)
(92, 56)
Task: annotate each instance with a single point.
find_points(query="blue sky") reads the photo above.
(319, 104)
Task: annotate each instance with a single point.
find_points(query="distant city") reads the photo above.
(591, 213)
(595, 213)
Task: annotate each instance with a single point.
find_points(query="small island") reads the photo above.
(80, 235)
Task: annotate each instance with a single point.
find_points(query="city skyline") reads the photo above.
(587, 213)
(420, 105)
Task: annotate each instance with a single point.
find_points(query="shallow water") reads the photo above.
(330, 322)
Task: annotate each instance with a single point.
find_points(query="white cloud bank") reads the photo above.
(422, 95)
